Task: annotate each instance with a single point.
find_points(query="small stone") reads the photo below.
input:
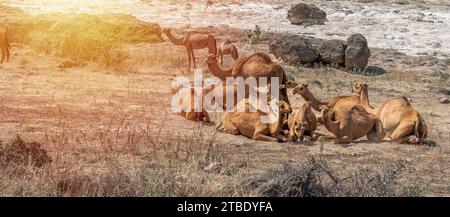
(444, 100)
(214, 167)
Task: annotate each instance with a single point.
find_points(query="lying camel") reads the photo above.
(257, 65)
(188, 104)
(4, 45)
(249, 124)
(356, 123)
(402, 123)
(193, 41)
(227, 48)
(302, 122)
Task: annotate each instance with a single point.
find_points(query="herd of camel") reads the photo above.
(348, 118)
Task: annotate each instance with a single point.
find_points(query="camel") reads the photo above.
(227, 48)
(193, 41)
(402, 123)
(4, 45)
(356, 123)
(257, 65)
(302, 122)
(188, 104)
(249, 123)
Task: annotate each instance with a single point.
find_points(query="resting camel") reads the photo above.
(336, 103)
(402, 123)
(193, 41)
(302, 122)
(4, 45)
(188, 104)
(356, 123)
(227, 48)
(249, 124)
(257, 65)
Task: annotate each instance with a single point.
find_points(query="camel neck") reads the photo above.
(315, 103)
(218, 72)
(176, 41)
(364, 98)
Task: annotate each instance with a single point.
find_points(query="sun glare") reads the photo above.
(71, 6)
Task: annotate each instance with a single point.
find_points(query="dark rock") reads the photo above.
(357, 53)
(333, 51)
(294, 49)
(306, 14)
(375, 70)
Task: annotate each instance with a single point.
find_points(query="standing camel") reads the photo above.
(193, 41)
(227, 48)
(4, 45)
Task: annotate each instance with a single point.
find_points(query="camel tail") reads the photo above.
(380, 133)
(420, 129)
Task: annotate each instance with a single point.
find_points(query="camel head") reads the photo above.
(358, 88)
(300, 89)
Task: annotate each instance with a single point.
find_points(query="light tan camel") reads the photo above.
(188, 104)
(402, 123)
(356, 123)
(4, 45)
(302, 122)
(257, 65)
(193, 41)
(227, 48)
(248, 123)
(362, 90)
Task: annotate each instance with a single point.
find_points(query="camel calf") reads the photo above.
(302, 122)
(4, 45)
(227, 48)
(249, 124)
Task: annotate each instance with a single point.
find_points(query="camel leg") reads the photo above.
(346, 131)
(259, 136)
(219, 55)
(3, 55)
(193, 58)
(205, 116)
(404, 134)
(7, 53)
(226, 127)
(189, 58)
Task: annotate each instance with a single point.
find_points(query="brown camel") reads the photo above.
(4, 45)
(355, 123)
(257, 65)
(302, 122)
(193, 41)
(249, 124)
(227, 48)
(402, 123)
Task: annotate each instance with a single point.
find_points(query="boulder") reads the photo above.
(294, 49)
(306, 14)
(444, 100)
(357, 52)
(333, 52)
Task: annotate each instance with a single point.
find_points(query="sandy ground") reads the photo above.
(420, 27)
(77, 107)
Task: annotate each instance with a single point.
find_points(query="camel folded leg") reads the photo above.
(404, 133)
(259, 135)
(3, 54)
